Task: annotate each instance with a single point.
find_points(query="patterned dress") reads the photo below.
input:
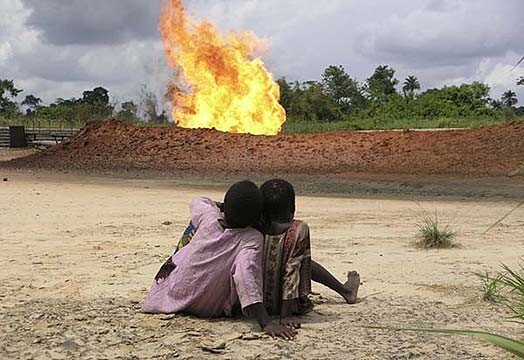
(287, 269)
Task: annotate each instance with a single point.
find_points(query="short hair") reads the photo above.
(279, 199)
(242, 205)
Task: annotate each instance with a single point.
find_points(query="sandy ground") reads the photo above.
(79, 253)
(7, 154)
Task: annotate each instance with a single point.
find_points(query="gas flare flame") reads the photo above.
(223, 84)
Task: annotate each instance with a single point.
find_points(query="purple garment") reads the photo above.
(218, 270)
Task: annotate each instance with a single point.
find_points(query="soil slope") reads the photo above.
(113, 145)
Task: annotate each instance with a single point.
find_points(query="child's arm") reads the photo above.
(274, 329)
(201, 209)
(248, 282)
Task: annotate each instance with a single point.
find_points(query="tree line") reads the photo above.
(338, 96)
(93, 105)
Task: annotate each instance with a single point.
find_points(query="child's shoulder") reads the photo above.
(204, 204)
(204, 210)
(300, 226)
(251, 236)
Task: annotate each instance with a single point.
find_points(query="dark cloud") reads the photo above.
(446, 33)
(61, 47)
(94, 21)
(441, 5)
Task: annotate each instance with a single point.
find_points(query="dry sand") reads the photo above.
(79, 253)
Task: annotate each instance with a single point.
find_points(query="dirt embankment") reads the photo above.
(113, 146)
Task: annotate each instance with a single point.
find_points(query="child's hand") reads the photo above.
(279, 330)
(259, 312)
(290, 323)
(165, 271)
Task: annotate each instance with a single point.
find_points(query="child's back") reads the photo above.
(219, 269)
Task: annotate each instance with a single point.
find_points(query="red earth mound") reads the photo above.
(116, 146)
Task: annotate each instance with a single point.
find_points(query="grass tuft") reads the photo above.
(432, 235)
(515, 347)
(491, 287)
(513, 279)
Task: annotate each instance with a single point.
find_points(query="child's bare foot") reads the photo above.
(352, 287)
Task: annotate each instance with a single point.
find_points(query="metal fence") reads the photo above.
(20, 136)
(35, 123)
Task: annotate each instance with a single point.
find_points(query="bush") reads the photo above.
(431, 235)
(513, 279)
(491, 287)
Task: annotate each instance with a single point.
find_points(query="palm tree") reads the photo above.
(495, 104)
(411, 84)
(31, 102)
(509, 99)
(520, 81)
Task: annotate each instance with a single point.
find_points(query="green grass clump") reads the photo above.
(491, 287)
(301, 126)
(513, 280)
(515, 347)
(432, 235)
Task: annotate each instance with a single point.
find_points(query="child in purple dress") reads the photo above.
(221, 269)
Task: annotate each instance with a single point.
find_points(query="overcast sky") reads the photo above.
(59, 48)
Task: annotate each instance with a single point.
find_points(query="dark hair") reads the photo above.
(279, 200)
(242, 205)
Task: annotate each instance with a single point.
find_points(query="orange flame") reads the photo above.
(223, 84)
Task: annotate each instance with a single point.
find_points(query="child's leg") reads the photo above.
(348, 290)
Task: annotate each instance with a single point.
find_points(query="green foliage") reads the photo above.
(309, 102)
(336, 102)
(513, 346)
(491, 287)
(32, 103)
(128, 112)
(431, 235)
(71, 113)
(381, 85)
(377, 104)
(94, 105)
(299, 126)
(344, 90)
(8, 92)
(96, 97)
(453, 101)
(513, 279)
(509, 99)
(411, 84)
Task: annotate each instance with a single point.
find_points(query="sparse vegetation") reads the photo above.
(433, 235)
(341, 102)
(513, 279)
(293, 126)
(337, 101)
(491, 287)
(510, 279)
(512, 282)
(513, 346)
